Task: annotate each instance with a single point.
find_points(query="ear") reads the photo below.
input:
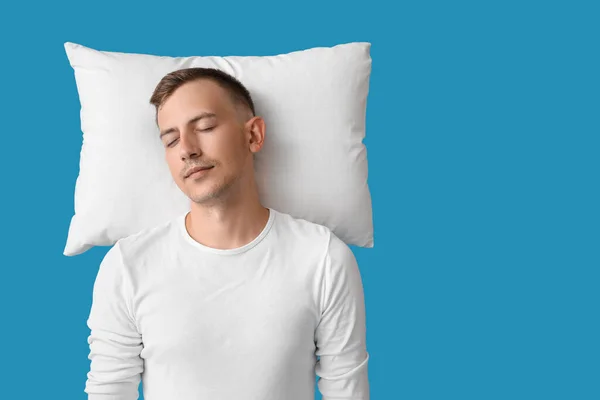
(255, 133)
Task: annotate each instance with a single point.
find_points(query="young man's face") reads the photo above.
(201, 127)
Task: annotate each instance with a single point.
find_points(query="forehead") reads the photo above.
(191, 98)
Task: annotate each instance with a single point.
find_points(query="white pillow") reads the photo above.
(313, 164)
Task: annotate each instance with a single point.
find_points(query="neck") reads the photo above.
(229, 224)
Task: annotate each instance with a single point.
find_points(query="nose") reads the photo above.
(189, 146)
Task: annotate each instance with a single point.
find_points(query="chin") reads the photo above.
(203, 195)
(204, 198)
(208, 190)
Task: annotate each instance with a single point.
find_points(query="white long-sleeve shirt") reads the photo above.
(258, 322)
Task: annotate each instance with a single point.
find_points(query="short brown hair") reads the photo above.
(173, 80)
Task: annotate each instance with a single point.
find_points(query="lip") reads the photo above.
(197, 172)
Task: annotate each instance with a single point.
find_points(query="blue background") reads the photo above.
(483, 143)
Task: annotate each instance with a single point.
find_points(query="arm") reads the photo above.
(115, 344)
(341, 334)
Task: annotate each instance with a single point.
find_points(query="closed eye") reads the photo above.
(207, 129)
(174, 142)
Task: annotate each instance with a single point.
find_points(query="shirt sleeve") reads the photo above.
(114, 341)
(340, 336)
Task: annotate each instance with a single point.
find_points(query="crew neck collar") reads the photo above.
(237, 250)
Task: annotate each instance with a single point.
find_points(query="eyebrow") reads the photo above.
(191, 121)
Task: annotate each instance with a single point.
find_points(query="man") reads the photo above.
(233, 300)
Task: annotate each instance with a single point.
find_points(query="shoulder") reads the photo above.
(301, 232)
(148, 243)
(299, 224)
(317, 237)
(339, 253)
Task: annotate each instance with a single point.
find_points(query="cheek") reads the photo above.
(231, 149)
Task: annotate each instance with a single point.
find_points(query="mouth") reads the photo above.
(196, 172)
